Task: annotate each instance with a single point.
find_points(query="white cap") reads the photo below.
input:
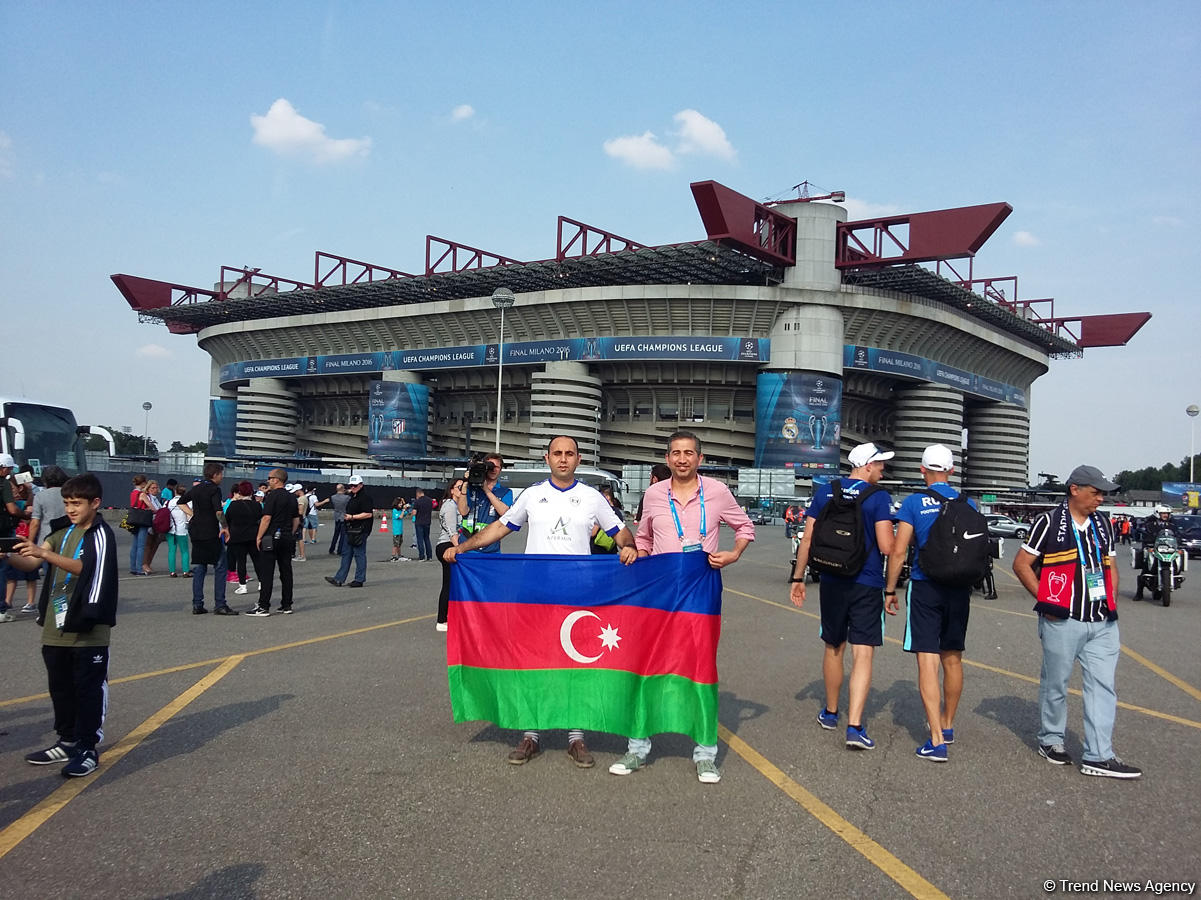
(938, 458)
(355, 479)
(289, 487)
(6, 461)
(868, 453)
(298, 486)
(260, 494)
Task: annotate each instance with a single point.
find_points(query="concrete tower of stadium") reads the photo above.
(784, 338)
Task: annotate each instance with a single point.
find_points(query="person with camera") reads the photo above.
(480, 505)
(360, 515)
(560, 513)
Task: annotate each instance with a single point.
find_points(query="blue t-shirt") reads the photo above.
(876, 508)
(920, 511)
(480, 513)
(398, 521)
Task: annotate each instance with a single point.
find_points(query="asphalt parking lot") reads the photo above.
(314, 755)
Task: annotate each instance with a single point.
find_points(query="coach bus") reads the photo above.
(40, 435)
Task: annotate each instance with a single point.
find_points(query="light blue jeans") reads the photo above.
(1096, 645)
(642, 747)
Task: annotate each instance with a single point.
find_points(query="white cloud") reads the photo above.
(461, 112)
(701, 135)
(641, 151)
(6, 156)
(1025, 239)
(288, 133)
(154, 351)
(857, 209)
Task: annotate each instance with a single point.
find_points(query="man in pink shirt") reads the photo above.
(683, 515)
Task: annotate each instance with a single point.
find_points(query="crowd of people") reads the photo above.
(1066, 564)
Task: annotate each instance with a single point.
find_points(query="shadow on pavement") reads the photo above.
(230, 883)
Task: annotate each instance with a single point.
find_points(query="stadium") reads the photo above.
(782, 338)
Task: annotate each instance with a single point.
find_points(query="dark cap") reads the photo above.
(1090, 476)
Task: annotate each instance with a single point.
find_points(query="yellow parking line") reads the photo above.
(858, 841)
(23, 827)
(212, 662)
(1163, 673)
(1179, 720)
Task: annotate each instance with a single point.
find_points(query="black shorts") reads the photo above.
(935, 617)
(851, 612)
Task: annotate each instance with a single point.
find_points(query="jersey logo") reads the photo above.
(560, 527)
(967, 536)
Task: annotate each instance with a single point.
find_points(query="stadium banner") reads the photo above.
(798, 421)
(539, 641)
(223, 427)
(892, 362)
(397, 419)
(719, 349)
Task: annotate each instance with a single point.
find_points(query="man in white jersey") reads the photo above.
(561, 513)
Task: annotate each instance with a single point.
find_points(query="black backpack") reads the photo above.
(838, 546)
(956, 551)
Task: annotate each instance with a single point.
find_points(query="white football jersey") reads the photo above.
(561, 520)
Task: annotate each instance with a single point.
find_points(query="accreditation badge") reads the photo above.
(1094, 582)
(59, 605)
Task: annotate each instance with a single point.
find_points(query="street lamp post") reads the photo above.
(1191, 411)
(146, 427)
(502, 299)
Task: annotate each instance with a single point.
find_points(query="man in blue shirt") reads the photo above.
(936, 617)
(481, 505)
(852, 609)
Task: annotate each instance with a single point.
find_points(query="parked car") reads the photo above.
(1190, 534)
(1003, 526)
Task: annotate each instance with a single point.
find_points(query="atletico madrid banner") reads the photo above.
(538, 642)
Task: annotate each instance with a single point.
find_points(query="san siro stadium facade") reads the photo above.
(784, 338)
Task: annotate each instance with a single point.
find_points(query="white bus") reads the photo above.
(40, 435)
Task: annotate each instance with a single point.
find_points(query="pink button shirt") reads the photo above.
(657, 531)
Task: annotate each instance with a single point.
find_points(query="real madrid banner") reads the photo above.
(798, 420)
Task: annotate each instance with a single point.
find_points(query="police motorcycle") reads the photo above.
(1161, 565)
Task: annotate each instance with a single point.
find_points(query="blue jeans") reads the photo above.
(642, 747)
(199, 571)
(137, 549)
(359, 555)
(1096, 645)
(424, 549)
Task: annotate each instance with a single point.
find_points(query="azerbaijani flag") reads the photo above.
(538, 642)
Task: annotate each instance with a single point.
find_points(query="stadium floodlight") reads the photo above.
(502, 299)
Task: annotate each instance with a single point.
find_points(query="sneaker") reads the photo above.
(224, 611)
(82, 763)
(627, 764)
(59, 752)
(7, 617)
(707, 772)
(1054, 754)
(241, 589)
(439, 626)
(29, 608)
(932, 753)
(524, 752)
(948, 735)
(1111, 768)
(198, 610)
(857, 739)
(174, 574)
(827, 719)
(579, 754)
(285, 611)
(258, 612)
(335, 582)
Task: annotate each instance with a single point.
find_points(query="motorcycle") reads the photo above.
(1161, 567)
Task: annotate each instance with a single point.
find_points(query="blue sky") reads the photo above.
(127, 144)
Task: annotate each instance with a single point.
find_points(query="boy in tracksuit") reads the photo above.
(77, 609)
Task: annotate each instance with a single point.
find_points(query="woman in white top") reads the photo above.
(448, 536)
(177, 538)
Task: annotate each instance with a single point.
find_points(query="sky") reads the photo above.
(167, 140)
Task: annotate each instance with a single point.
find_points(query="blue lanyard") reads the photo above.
(1087, 560)
(671, 502)
(78, 553)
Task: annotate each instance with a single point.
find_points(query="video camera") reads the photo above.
(479, 470)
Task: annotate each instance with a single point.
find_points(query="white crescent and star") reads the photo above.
(608, 636)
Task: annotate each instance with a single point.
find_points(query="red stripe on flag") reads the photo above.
(541, 636)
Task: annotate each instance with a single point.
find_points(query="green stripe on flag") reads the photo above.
(607, 700)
